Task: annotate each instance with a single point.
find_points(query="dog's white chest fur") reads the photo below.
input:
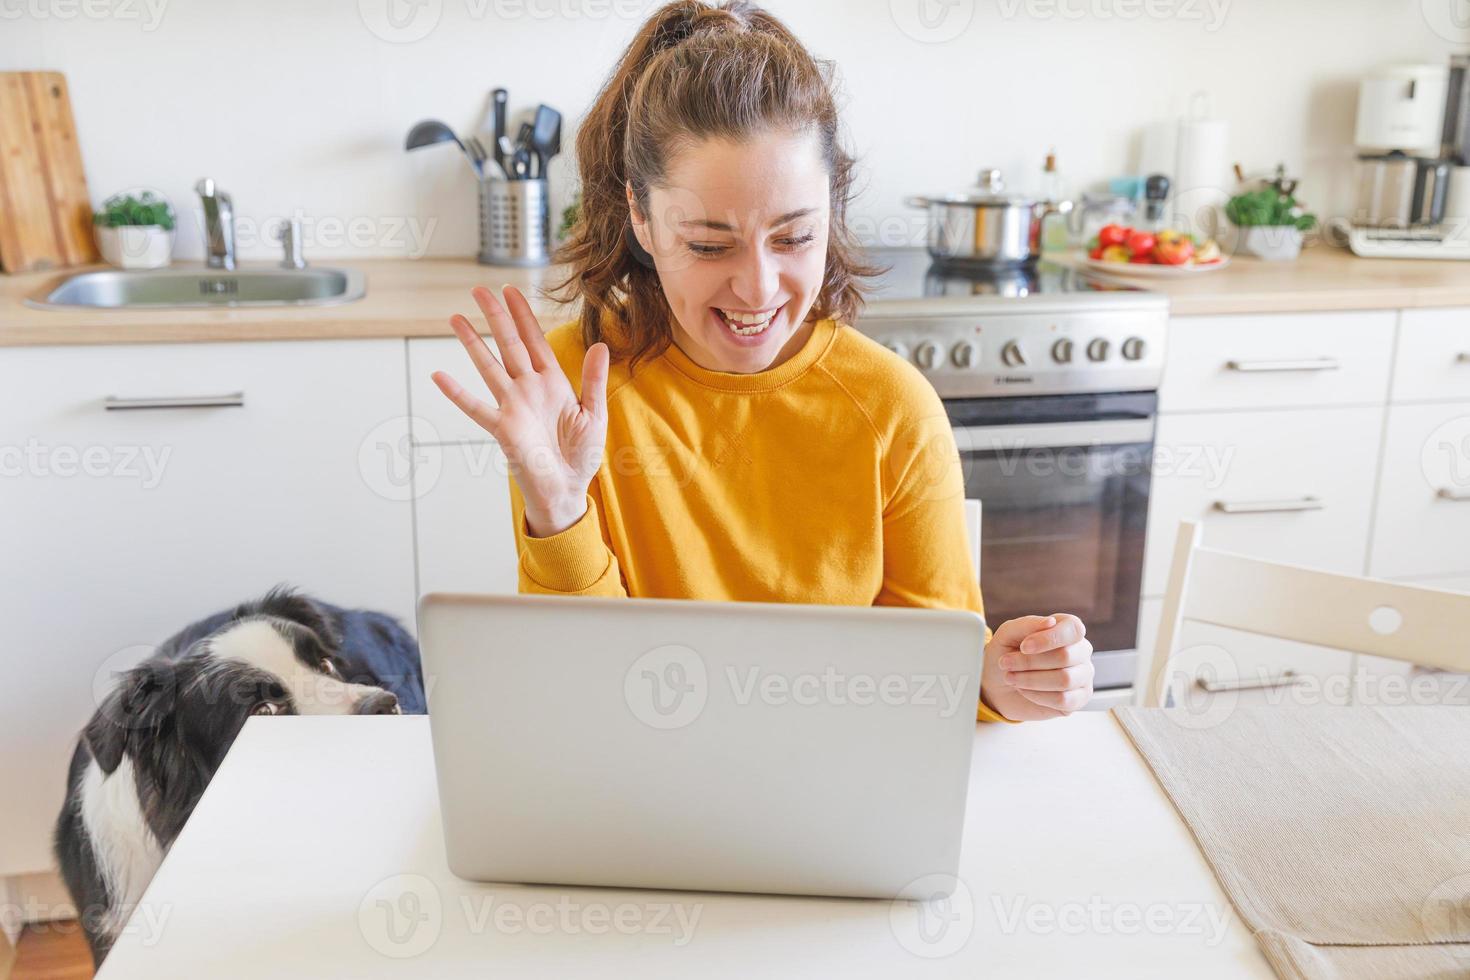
(127, 853)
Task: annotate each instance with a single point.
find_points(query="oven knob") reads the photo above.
(1011, 354)
(898, 347)
(926, 355)
(965, 354)
(1134, 348)
(1061, 351)
(1097, 349)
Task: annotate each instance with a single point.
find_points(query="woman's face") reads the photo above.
(738, 234)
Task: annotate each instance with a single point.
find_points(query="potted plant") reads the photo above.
(135, 231)
(1270, 219)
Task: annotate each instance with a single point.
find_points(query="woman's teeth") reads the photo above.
(747, 324)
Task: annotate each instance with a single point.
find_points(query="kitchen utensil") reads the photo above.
(522, 159)
(432, 131)
(496, 170)
(498, 98)
(515, 222)
(986, 226)
(45, 211)
(506, 153)
(1155, 193)
(545, 137)
(1152, 271)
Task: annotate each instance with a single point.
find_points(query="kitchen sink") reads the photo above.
(204, 287)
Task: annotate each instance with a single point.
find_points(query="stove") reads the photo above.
(1029, 330)
(1049, 377)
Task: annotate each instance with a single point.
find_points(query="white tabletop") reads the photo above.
(317, 851)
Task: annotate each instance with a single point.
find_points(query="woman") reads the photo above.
(732, 438)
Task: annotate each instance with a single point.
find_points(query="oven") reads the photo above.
(1049, 377)
(1063, 482)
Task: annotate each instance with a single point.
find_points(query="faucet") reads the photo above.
(219, 225)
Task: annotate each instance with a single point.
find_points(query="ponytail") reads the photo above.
(694, 70)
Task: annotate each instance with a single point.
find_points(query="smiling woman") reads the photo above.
(732, 436)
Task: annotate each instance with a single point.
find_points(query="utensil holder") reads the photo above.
(515, 222)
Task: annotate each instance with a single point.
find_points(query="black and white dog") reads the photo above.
(156, 740)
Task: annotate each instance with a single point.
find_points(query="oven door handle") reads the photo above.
(1054, 435)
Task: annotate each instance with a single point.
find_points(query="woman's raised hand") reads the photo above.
(552, 440)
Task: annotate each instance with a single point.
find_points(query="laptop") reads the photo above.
(713, 746)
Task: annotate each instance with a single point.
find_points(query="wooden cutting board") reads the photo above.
(45, 212)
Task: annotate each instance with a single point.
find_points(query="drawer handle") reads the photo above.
(1453, 493)
(1268, 506)
(1287, 678)
(235, 399)
(1299, 364)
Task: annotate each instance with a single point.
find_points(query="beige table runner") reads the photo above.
(1341, 835)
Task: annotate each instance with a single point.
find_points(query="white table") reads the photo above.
(1076, 863)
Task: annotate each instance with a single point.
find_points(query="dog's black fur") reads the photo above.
(176, 715)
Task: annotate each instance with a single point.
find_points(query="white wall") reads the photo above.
(302, 105)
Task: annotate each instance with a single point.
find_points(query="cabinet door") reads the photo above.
(122, 525)
(1423, 517)
(1294, 486)
(1433, 359)
(1217, 656)
(1290, 360)
(462, 504)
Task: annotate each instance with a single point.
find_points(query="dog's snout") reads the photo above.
(379, 703)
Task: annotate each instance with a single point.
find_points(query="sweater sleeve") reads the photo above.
(576, 561)
(926, 557)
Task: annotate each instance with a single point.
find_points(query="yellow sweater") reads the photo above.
(832, 478)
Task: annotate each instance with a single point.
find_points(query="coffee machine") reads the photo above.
(1413, 134)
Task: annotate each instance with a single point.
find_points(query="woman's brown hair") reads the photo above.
(694, 71)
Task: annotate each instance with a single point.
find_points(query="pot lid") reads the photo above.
(989, 189)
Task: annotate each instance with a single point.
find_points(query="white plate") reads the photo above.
(1152, 271)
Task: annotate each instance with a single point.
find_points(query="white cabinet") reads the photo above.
(466, 541)
(1433, 359)
(122, 525)
(1422, 526)
(1292, 486)
(1227, 363)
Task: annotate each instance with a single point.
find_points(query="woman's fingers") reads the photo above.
(484, 415)
(1062, 701)
(529, 331)
(1072, 653)
(1068, 630)
(490, 369)
(513, 353)
(1075, 675)
(594, 380)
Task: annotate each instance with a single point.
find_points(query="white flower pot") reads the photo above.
(136, 246)
(1275, 243)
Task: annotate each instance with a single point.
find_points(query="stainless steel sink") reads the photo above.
(203, 287)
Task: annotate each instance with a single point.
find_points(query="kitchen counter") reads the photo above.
(413, 298)
(1075, 863)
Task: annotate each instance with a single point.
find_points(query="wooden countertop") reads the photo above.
(414, 298)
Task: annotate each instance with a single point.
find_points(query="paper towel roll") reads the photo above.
(1202, 161)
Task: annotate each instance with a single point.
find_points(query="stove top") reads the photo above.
(1043, 329)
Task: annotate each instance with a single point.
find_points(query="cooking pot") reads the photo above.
(986, 226)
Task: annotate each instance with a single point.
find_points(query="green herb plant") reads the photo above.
(1268, 207)
(122, 210)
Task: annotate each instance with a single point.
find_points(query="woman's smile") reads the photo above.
(748, 328)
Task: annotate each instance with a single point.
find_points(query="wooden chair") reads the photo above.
(972, 526)
(1429, 627)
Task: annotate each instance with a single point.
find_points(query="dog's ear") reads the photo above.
(286, 603)
(142, 701)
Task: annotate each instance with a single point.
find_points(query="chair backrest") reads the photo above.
(972, 526)
(1423, 626)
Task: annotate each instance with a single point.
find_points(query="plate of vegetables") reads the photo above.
(1136, 252)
